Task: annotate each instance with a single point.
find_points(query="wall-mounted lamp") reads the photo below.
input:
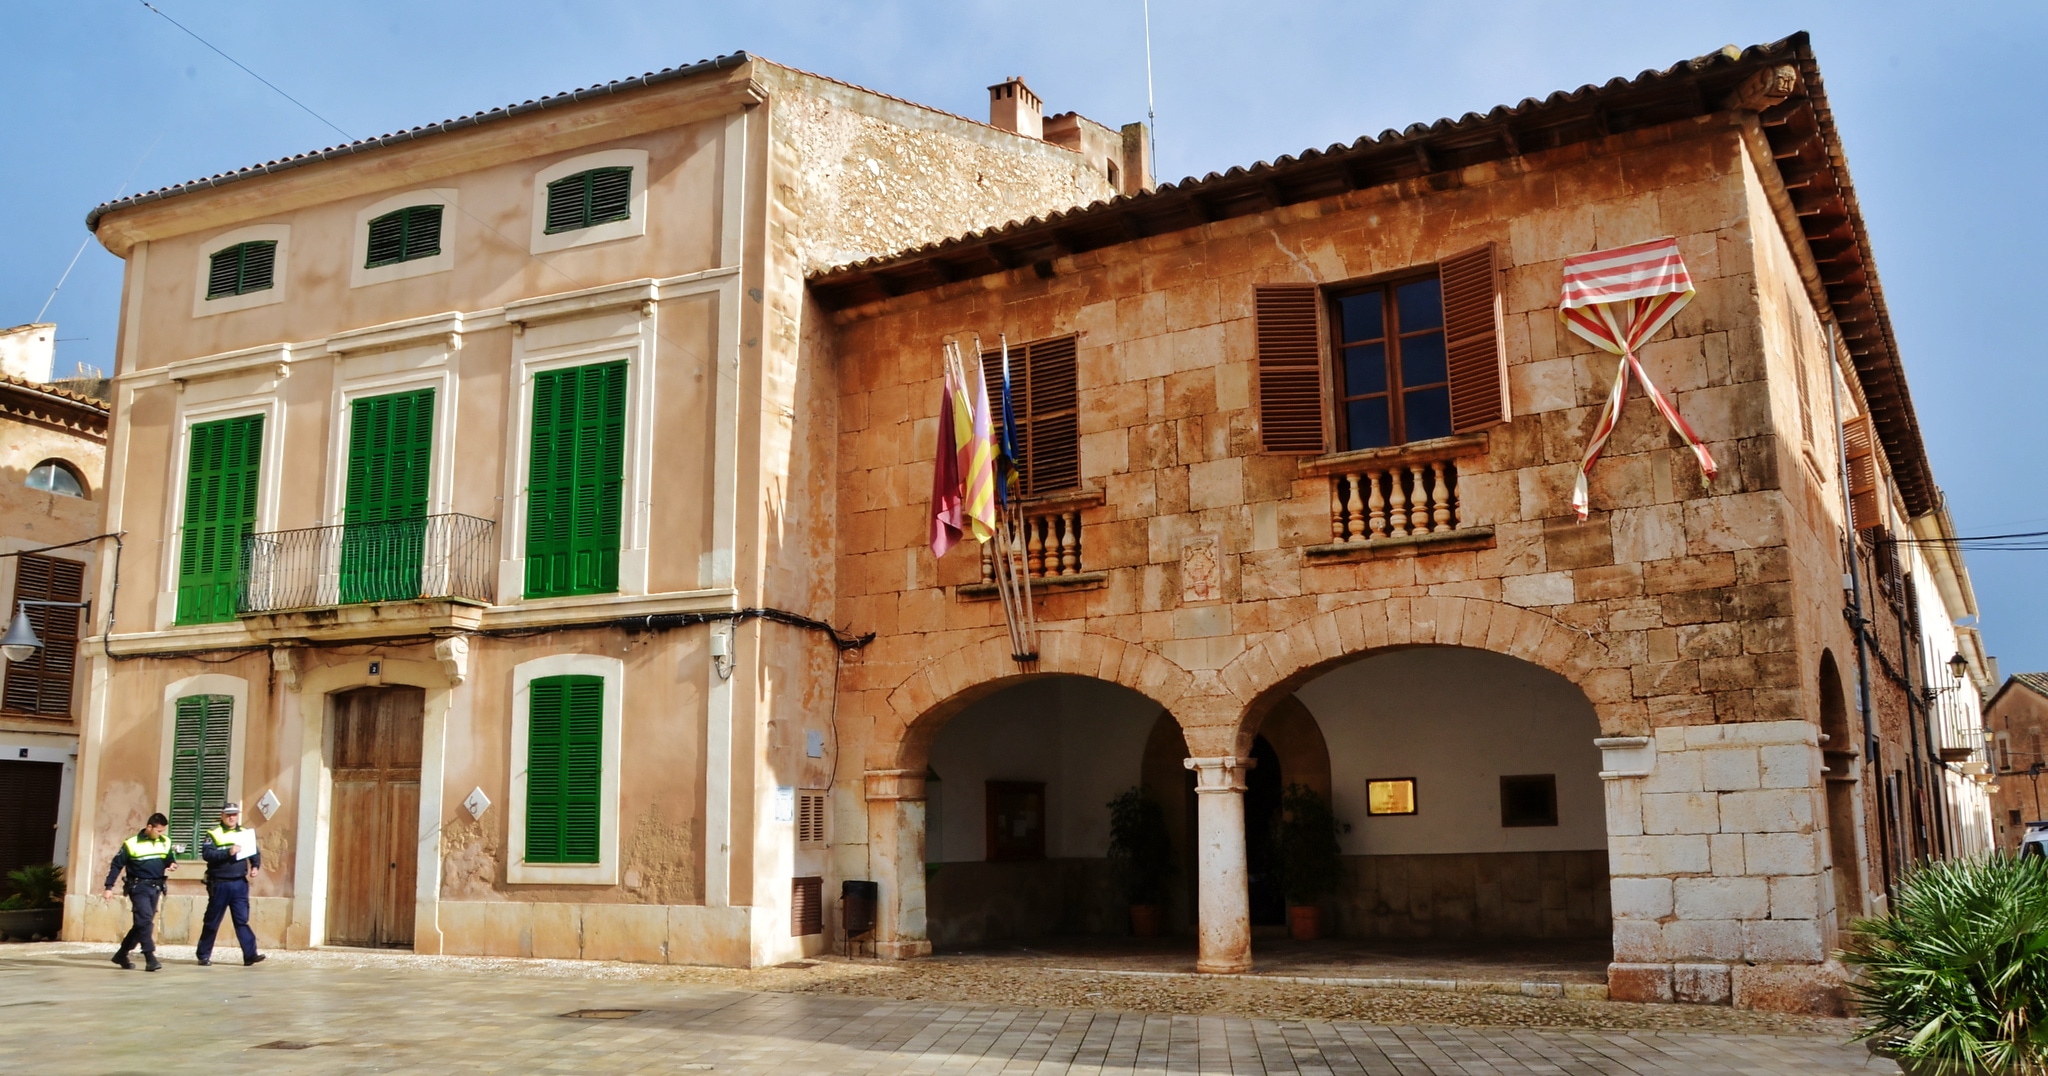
(1959, 665)
(721, 652)
(20, 642)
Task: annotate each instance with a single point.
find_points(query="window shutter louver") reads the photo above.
(576, 480)
(387, 240)
(1045, 399)
(1859, 451)
(587, 198)
(565, 743)
(1475, 343)
(221, 475)
(806, 906)
(405, 234)
(384, 506)
(259, 266)
(201, 741)
(224, 272)
(42, 684)
(1290, 368)
(241, 269)
(810, 818)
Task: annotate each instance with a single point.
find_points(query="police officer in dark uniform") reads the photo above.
(147, 857)
(227, 884)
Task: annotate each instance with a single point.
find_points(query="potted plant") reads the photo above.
(1309, 867)
(36, 909)
(1140, 857)
(1955, 979)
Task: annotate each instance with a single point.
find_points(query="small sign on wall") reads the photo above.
(785, 803)
(1390, 795)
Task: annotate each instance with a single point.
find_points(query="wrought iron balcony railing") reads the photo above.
(440, 556)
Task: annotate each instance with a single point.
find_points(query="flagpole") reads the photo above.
(1022, 567)
(999, 561)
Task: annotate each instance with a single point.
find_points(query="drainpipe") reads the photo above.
(1855, 612)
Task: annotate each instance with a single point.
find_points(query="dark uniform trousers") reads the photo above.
(227, 897)
(143, 898)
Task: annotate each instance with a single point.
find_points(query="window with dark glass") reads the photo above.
(405, 234)
(587, 198)
(1392, 381)
(241, 269)
(1528, 799)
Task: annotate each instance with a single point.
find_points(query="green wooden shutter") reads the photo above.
(565, 768)
(575, 481)
(384, 510)
(200, 743)
(241, 269)
(220, 514)
(587, 198)
(403, 235)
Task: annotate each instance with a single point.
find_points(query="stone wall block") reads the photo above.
(1639, 982)
(1676, 771)
(1704, 939)
(1780, 853)
(1638, 940)
(1725, 851)
(1797, 896)
(1624, 807)
(1681, 812)
(1701, 984)
(1729, 769)
(1783, 941)
(1641, 898)
(1790, 766)
(1816, 989)
(1721, 898)
(1779, 810)
(1658, 855)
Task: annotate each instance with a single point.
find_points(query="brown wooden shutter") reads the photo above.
(806, 906)
(1290, 358)
(1045, 398)
(1475, 341)
(1859, 451)
(1052, 437)
(42, 684)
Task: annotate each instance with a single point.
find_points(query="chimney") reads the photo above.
(28, 351)
(1013, 107)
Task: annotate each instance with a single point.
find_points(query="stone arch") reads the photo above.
(925, 700)
(1269, 672)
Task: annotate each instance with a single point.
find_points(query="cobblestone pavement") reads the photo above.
(64, 1009)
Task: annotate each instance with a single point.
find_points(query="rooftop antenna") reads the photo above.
(1151, 120)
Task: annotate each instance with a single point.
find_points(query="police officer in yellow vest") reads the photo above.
(147, 857)
(227, 882)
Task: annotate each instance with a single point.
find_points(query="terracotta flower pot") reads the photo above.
(1304, 922)
(1145, 920)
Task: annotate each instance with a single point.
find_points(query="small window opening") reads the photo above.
(56, 476)
(1528, 800)
(589, 198)
(402, 236)
(241, 269)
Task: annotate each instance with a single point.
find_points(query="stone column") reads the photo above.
(896, 861)
(1224, 919)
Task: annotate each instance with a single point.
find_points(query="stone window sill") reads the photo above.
(1076, 581)
(1409, 546)
(1456, 446)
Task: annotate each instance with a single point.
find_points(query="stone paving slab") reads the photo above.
(64, 1009)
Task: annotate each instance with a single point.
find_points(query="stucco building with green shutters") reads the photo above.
(453, 466)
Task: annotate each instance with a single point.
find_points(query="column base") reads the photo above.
(1232, 967)
(903, 950)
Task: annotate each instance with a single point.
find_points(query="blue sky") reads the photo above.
(1940, 108)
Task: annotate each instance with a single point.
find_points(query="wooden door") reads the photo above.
(374, 844)
(28, 813)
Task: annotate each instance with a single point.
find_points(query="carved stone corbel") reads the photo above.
(284, 662)
(453, 653)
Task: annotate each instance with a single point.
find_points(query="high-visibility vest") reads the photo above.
(140, 848)
(223, 838)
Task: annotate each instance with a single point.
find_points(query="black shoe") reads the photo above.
(257, 959)
(121, 961)
(205, 962)
(151, 963)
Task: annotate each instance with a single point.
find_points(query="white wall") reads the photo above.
(1456, 720)
(1084, 738)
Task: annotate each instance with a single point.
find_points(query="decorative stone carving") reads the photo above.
(453, 653)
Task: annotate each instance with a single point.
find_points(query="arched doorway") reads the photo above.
(1471, 788)
(1017, 791)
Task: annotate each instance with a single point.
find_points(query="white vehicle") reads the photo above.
(2035, 842)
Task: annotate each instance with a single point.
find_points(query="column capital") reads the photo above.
(1221, 773)
(893, 784)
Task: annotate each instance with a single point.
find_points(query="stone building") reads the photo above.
(2016, 721)
(472, 525)
(1299, 444)
(1632, 726)
(52, 456)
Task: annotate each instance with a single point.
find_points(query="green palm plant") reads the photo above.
(1955, 977)
(35, 887)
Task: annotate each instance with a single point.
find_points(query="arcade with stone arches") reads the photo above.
(991, 814)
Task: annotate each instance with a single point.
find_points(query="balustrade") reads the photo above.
(1051, 544)
(1395, 499)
